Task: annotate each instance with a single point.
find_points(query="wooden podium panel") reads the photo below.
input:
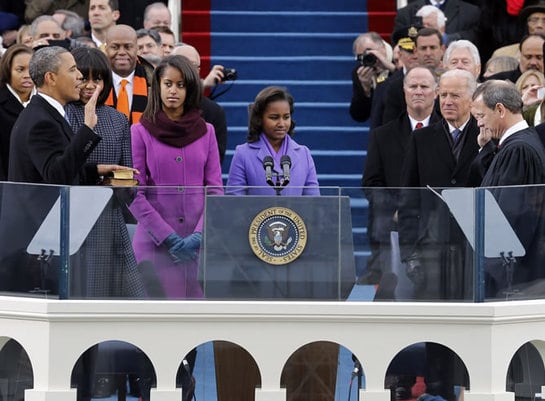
(309, 374)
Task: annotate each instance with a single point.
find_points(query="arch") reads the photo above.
(16, 372)
(310, 373)
(236, 371)
(106, 367)
(526, 371)
(426, 367)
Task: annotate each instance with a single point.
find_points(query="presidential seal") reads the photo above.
(277, 235)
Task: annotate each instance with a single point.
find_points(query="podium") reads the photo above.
(231, 269)
(320, 266)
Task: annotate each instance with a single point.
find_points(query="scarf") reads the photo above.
(177, 133)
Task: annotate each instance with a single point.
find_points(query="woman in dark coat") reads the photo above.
(16, 88)
(108, 266)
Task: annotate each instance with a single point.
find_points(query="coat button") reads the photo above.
(179, 159)
(453, 181)
(180, 219)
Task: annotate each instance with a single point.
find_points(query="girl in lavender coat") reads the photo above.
(269, 135)
(176, 153)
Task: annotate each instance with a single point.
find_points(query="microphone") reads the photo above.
(268, 164)
(285, 162)
(356, 369)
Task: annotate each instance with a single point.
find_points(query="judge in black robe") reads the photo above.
(514, 172)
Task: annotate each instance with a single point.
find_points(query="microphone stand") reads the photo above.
(280, 183)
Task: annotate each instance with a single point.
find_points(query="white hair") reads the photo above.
(463, 44)
(426, 11)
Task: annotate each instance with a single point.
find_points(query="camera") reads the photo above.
(366, 59)
(229, 74)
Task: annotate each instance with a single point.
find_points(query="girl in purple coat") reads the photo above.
(269, 142)
(176, 153)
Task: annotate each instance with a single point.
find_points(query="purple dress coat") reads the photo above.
(247, 170)
(174, 204)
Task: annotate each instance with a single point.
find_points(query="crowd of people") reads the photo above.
(430, 126)
(88, 89)
(438, 121)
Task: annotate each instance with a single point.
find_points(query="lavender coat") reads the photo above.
(247, 170)
(178, 208)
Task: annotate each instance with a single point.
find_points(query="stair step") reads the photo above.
(256, 21)
(292, 5)
(339, 138)
(278, 44)
(306, 113)
(337, 90)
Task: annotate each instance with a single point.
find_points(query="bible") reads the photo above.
(120, 178)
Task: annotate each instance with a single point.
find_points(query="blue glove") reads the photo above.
(183, 249)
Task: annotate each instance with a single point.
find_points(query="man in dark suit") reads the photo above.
(429, 50)
(463, 19)
(520, 160)
(368, 78)
(385, 154)
(440, 156)
(131, 74)
(431, 243)
(45, 150)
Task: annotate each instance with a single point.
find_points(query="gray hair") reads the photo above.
(497, 91)
(471, 82)
(44, 60)
(426, 11)
(372, 36)
(38, 21)
(72, 22)
(462, 44)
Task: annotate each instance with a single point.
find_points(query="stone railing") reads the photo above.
(55, 333)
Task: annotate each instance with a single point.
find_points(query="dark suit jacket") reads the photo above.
(214, 114)
(382, 173)
(386, 152)
(463, 19)
(10, 108)
(430, 161)
(363, 108)
(44, 148)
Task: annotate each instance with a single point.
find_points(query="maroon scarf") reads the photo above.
(177, 133)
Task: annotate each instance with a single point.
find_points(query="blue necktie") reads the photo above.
(455, 134)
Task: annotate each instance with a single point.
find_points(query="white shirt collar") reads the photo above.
(461, 127)
(117, 79)
(97, 41)
(514, 128)
(425, 122)
(55, 103)
(32, 93)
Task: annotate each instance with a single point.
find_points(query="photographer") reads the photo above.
(372, 69)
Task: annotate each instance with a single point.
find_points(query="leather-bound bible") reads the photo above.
(120, 178)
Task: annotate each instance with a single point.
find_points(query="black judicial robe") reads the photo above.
(520, 161)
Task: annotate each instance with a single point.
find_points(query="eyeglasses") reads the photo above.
(535, 20)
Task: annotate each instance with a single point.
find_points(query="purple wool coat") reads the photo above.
(174, 204)
(247, 170)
